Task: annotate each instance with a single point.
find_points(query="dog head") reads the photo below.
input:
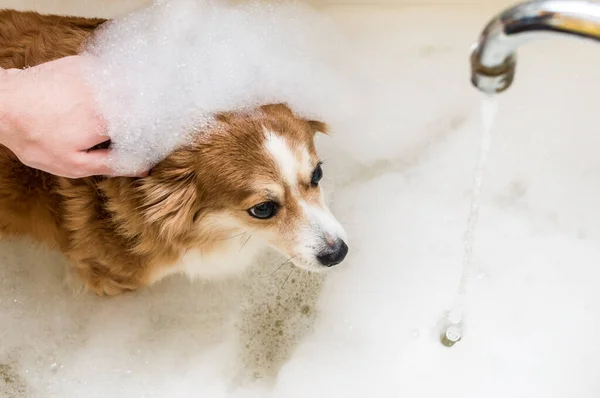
(256, 174)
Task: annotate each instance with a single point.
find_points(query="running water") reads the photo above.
(453, 332)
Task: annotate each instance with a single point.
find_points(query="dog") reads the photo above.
(206, 210)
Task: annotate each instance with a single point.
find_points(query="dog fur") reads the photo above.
(191, 213)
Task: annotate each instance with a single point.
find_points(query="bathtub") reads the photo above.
(370, 327)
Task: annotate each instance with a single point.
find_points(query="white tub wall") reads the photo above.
(110, 8)
(87, 8)
(486, 3)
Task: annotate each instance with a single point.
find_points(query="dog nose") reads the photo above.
(334, 254)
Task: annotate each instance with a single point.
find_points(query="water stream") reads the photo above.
(453, 330)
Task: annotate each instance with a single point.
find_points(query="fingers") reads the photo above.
(78, 165)
(96, 163)
(93, 163)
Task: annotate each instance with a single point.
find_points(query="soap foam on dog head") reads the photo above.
(161, 73)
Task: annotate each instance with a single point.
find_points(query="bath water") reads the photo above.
(453, 332)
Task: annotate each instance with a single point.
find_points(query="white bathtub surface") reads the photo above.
(371, 327)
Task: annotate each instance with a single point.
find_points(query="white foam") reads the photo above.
(161, 72)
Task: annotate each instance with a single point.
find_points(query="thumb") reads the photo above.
(94, 163)
(97, 163)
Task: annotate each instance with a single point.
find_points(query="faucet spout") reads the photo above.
(493, 57)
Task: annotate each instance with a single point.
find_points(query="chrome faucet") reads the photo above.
(493, 57)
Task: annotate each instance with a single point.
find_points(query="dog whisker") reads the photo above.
(234, 236)
(278, 268)
(285, 281)
(244, 244)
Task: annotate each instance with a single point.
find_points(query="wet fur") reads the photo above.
(120, 234)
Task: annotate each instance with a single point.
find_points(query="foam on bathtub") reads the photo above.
(160, 73)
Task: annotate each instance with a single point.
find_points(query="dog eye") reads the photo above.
(316, 175)
(264, 210)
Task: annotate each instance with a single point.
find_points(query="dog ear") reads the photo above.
(274, 109)
(318, 127)
(169, 199)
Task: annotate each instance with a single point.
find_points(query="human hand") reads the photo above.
(49, 119)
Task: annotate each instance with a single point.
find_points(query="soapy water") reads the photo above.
(489, 108)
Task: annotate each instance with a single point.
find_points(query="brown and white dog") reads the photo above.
(205, 210)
